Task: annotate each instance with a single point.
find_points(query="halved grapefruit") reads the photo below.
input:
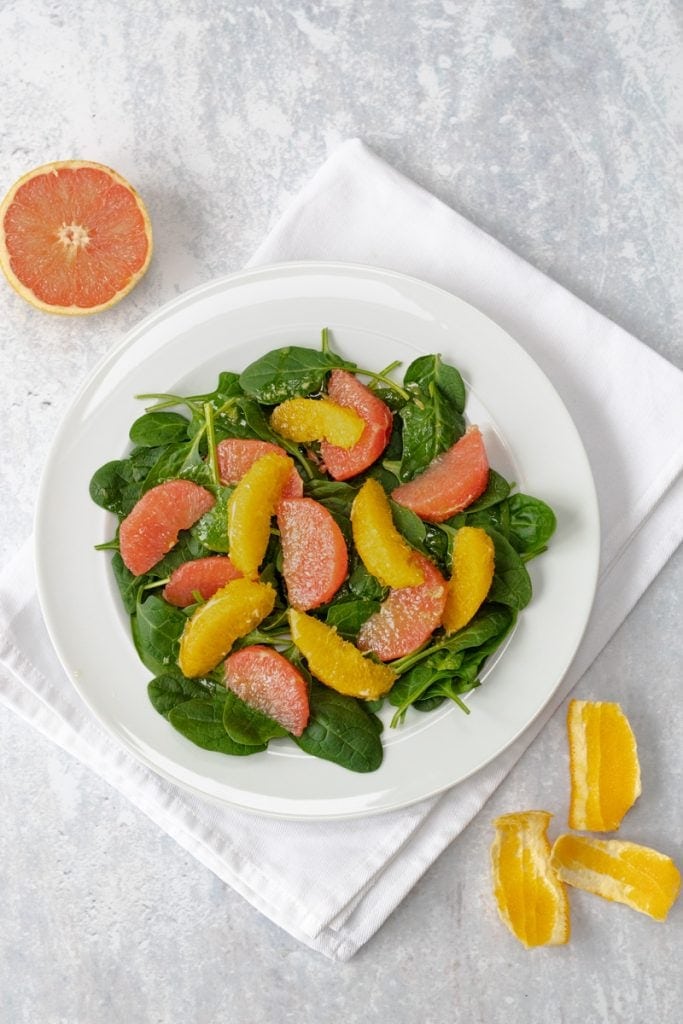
(75, 237)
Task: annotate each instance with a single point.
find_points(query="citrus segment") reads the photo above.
(408, 617)
(347, 390)
(531, 901)
(383, 551)
(314, 556)
(251, 507)
(603, 765)
(238, 454)
(151, 528)
(471, 576)
(450, 483)
(74, 237)
(200, 576)
(267, 681)
(232, 612)
(336, 662)
(640, 877)
(312, 419)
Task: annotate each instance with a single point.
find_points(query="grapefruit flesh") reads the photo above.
(264, 679)
(450, 483)
(314, 556)
(236, 455)
(151, 529)
(408, 617)
(74, 237)
(346, 390)
(200, 576)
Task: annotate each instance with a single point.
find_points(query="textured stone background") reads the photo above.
(557, 127)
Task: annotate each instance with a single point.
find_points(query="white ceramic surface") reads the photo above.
(375, 316)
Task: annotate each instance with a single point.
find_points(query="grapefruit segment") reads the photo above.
(232, 612)
(74, 237)
(336, 662)
(471, 576)
(531, 900)
(314, 556)
(640, 877)
(450, 483)
(348, 391)
(250, 508)
(267, 681)
(311, 419)
(408, 617)
(200, 576)
(151, 528)
(236, 455)
(383, 551)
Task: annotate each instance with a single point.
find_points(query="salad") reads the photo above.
(312, 541)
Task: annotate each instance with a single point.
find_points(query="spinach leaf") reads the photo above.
(212, 529)
(428, 370)
(159, 428)
(531, 524)
(511, 582)
(349, 616)
(247, 725)
(497, 489)
(127, 583)
(171, 689)
(201, 721)
(365, 586)
(186, 548)
(430, 426)
(113, 487)
(341, 730)
(157, 629)
(289, 372)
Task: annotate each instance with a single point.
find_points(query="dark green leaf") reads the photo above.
(158, 629)
(511, 582)
(496, 490)
(427, 370)
(531, 523)
(348, 616)
(430, 426)
(127, 583)
(247, 725)
(201, 721)
(168, 690)
(158, 428)
(289, 372)
(342, 731)
(212, 528)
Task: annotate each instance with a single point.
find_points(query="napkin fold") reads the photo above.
(332, 884)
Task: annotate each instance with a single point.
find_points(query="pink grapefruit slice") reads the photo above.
(314, 555)
(343, 463)
(450, 483)
(75, 237)
(151, 529)
(199, 576)
(267, 681)
(238, 454)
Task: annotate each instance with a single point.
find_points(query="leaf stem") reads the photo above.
(211, 442)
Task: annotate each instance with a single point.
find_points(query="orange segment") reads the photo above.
(638, 876)
(233, 611)
(603, 765)
(75, 237)
(251, 507)
(471, 576)
(532, 902)
(382, 549)
(336, 662)
(312, 419)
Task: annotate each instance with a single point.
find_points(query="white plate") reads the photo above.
(375, 316)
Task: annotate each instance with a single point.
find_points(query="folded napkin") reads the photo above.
(331, 885)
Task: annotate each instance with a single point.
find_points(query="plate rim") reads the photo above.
(126, 341)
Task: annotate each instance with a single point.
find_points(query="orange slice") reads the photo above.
(251, 507)
(336, 662)
(75, 237)
(471, 576)
(603, 765)
(232, 612)
(382, 549)
(532, 902)
(638, 876)
(312, 419)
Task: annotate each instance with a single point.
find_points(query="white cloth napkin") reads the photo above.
(331, 885)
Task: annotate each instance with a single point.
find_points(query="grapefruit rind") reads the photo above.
(531, 900)
(6, 259)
